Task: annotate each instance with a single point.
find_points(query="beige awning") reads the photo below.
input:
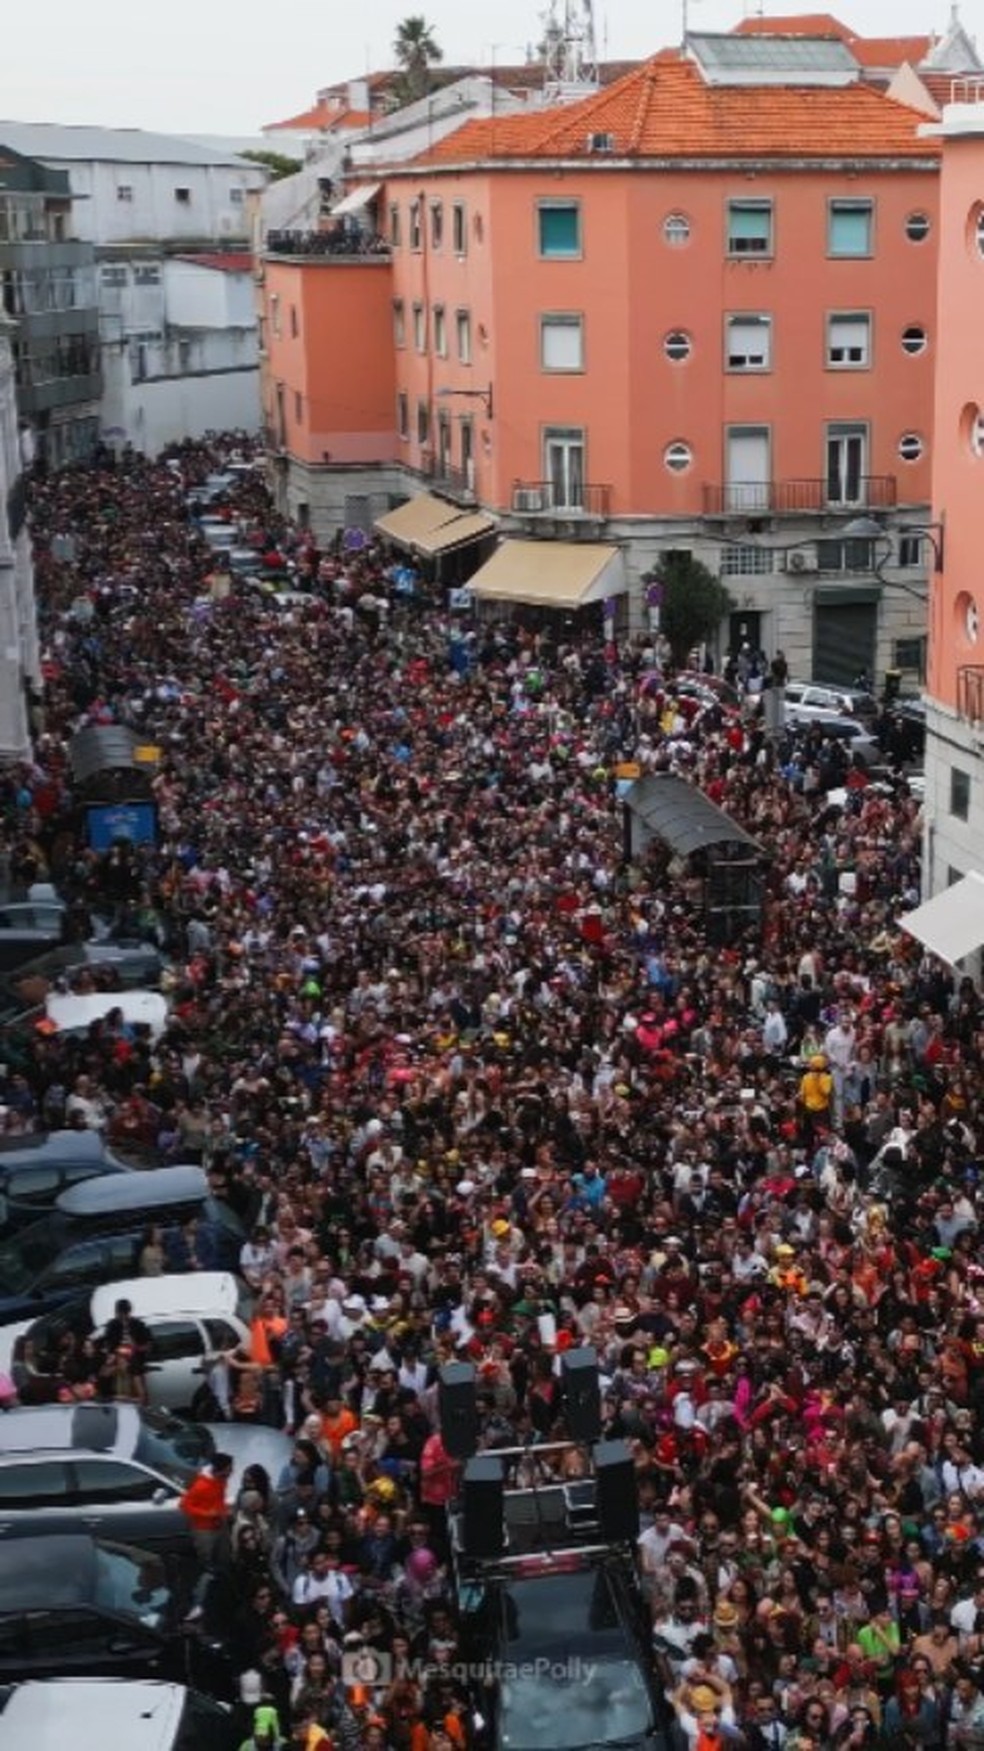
(357, 199)
(951, 924)
(550, 574)
(429, 526)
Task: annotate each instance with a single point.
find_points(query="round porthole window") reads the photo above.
(913, 339)
(917, 227)
(911, 446)
(676, 230)
(678, 346)
(972, 429)
(966, 617)
(678, 457)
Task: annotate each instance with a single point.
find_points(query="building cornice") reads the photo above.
(638, 166)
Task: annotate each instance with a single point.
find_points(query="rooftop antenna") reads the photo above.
(570, 47)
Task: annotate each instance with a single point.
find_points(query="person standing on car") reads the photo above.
(126, 1347)
(204, 1507)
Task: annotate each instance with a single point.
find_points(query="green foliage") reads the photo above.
(694, 604)
(277, 163)
(416, 49)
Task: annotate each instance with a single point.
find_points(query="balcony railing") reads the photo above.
(757, 498)
(348, 245)
(457, 484)
(541, 498)
(970, 692)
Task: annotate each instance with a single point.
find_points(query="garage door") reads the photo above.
(844, 640)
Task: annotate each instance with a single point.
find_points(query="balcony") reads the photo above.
(337, 245)
(541, 498)
(756, 498)
(970, 692)
(456, 484)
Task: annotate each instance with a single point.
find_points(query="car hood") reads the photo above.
(250, 1444)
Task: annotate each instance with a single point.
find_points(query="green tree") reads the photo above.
(417, 50)
(693, 606)
(277, 163)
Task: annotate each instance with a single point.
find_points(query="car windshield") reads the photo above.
(573, 1700)
(131, 1584)
(171, 1447)
(43, 1340)
(23, 1260)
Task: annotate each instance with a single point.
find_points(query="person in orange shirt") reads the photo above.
(337, 1421)
(204, 1507)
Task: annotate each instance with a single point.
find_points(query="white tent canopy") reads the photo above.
(951, 924)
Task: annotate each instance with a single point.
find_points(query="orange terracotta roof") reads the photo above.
(318, 117)
(665, 110)
(889, 51)
(868, 51)
(799, 24)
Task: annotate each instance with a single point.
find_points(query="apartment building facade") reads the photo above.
(19, 656)
(696, 311)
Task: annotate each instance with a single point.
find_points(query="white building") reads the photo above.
(169, 221)
(19, 668)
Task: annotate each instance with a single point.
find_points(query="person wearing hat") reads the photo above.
(266, 1734)
(705, 1712)
(816, 1095)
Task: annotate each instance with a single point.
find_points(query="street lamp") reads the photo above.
(867, 529)
(482, 395)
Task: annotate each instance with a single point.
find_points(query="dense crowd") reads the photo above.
(482, 1089)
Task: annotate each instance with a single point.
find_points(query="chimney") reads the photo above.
(358, 94)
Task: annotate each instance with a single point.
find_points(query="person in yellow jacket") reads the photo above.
(816, 1093)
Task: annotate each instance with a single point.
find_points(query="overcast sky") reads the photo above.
(229, 66)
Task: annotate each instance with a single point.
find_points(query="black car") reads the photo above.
(35, 1169)
(565, 1642)
(76, 1606)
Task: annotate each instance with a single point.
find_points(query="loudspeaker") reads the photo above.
(483, 1526)
(582, 1394)
(617, 1494)
(457, 1409)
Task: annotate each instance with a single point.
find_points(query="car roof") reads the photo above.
(59, 1428)
(138, 1714)
(195, 1292)
(71, 1013)
(43, 1146)
(143, 1189)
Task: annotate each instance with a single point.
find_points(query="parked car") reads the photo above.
(127, 962)
(861, 744)
(192, 1319)
(76, 1606)
(116, 1471)
(28, 927)
(35, 1169)
(808, 700)
(96, 1714)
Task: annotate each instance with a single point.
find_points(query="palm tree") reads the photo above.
(416, 49)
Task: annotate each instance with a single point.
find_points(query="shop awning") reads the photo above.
(951, 924)
(550, 574)
(429, 526)
(670, 809)
(357, 199)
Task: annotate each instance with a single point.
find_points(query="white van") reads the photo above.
(74, 1013)
(94, 1714)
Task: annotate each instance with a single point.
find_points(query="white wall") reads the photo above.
(202, 297)
(153, 213)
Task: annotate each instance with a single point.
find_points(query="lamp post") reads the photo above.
(867, 529)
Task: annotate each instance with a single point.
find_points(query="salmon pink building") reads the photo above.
(695, 311)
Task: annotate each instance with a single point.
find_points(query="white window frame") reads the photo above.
(844, 433)
(560, 254)
(565, 456)
(416, 228)
(419, 328)
(845, 204)
(741, 353)
(463, 334)
(459, 228)
(440, 326)
(403, 416)
(555, 328)
(849, 337)
(399, 323)
(744, 249)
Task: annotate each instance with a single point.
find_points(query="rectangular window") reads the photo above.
(559, 230)
(394, 226)
(423, 423)
(237, 196)
(849, 227)
(749, 227)
(403, 415)
(124, 191)
(184, 355)
(467, 441)
(910, 551)
(459, 228)
(849, 341)
(298, 406)
(853, 555)
(113, 276)
(748, 466)
(183, 197)
(749, 343)
(563, 459)
(562, 343)
(275, 314)
(847, 464)
(747, 561)
(294, 325)
(399, 323)
(959, 793)
(147, 276)
(462, 323)
(415, 226)
(419, 328)
(440, 332)
(437, 224)
(910, 654)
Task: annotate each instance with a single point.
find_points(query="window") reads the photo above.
(853, 555)
(849, 341)
(559, 229)
(849, 227)
(113, 276)
(399, 323)
(124, 191)
(415, 226)
(423, 422)
(275, 314)
(394, 215)
(917, 227)
(975, 430)
(294, 325)
(105, 1482)
(677, 457)
(677, 346)
(910, 653)
(220, 1335)
(237, 196)
(459, 228)
(419, 328)
(33, 1486)
(184, 355)
(749, 343)
(563, 458)
(175, 1340)
(747, 561)
(437, 224)
(562, 343)
(462, 323)
(959, 793)
(440, 332)
(910, 551)
(676, 230)
(148, 275)
(467, 442)
(749, 227)
(298, 406)
(847, 464)
(183, 197)
(402, 415)
(748, 469)
(913, 339)
(911, 446)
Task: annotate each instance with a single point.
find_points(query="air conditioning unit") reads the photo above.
(528, 498)
(601, 142)
(802, 559)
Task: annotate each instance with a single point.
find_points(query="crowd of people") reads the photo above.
(482, 1089)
